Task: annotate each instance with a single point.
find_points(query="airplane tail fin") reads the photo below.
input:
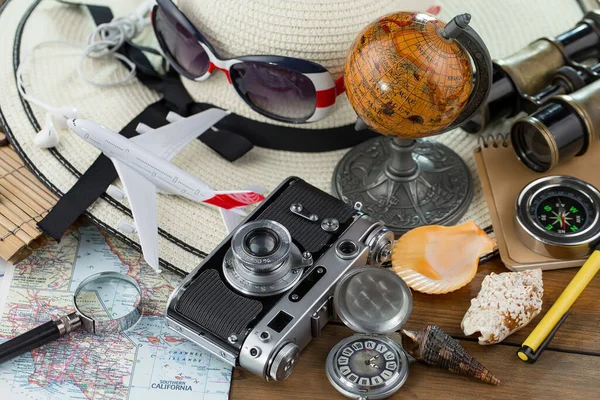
(234, 198)
(232, 218)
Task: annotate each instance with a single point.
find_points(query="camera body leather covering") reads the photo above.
(264, 332)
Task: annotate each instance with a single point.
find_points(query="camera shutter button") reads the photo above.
(284, 362)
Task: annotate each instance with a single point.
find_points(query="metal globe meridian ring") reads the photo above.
(409, 76)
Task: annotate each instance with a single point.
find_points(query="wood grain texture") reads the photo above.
(24, 201)
(570, 369)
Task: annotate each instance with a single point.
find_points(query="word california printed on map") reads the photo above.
(147, 362)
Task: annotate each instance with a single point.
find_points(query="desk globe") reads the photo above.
(409, 76)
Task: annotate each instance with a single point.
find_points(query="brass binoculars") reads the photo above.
(564, 127)
(549, 81)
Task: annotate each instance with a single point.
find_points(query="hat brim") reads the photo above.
(191, 229)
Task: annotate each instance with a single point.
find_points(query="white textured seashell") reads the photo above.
(506, 303)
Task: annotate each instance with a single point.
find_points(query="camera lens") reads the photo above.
(551, 135)
(261, 246)
(261, 242)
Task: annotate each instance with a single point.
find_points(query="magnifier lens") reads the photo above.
(107, 298)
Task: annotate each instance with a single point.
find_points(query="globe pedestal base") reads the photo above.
(405, 183)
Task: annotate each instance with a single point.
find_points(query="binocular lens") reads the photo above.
(537, 149)
(261, 242)
(548, 137)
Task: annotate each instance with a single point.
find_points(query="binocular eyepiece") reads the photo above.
(563, 128)
(549, 81)
(547, 67)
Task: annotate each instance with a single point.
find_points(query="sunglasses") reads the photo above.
(285, 89)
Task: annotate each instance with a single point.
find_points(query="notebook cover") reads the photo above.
(503, 177)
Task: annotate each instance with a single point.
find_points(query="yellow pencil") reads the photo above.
(547, 327)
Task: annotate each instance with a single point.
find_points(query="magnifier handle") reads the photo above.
(39, 336)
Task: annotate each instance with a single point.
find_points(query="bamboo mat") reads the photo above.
(24, 201)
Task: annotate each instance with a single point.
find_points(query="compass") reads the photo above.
(370, 365)
(558, 216)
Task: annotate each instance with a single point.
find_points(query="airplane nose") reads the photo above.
(71, 123)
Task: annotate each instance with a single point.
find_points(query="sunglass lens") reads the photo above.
(181, 44)
(277, 92)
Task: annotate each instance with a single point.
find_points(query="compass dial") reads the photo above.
(562, 210)
(559, 217)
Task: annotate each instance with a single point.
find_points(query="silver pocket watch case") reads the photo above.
(373, 302)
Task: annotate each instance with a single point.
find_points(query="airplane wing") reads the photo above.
(142, 199)
(170, 139)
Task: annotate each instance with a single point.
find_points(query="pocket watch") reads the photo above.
(369, 365)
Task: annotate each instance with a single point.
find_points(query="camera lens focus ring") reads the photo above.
(262, 245)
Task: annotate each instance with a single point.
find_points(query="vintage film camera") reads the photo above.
(260, 297)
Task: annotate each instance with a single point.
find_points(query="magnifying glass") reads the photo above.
(107, 302)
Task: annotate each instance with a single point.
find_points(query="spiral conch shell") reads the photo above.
(506, 303)
(438, 259)
(434, 347)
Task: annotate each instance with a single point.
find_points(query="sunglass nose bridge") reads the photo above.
(212, 67)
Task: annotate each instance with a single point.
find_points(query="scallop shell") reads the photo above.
(438, 259)
(435, 347)
(506, 303)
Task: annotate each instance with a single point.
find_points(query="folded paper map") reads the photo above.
(149, 361)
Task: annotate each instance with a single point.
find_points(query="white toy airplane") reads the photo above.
(142, 163)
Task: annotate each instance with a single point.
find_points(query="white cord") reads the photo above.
(103, 42)
(25, 60)
(106, 40)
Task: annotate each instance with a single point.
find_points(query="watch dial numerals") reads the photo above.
(367, 365)
(357, 346)
(389, 356)
(348, 351)
(381, 348)
(367, 362)
(386, 375)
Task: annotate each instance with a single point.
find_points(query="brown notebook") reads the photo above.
(502, 178)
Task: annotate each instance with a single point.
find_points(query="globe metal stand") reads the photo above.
(405, 183)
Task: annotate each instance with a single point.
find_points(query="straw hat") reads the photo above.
(317, 30)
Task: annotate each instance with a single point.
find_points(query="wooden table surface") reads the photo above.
(568, 369)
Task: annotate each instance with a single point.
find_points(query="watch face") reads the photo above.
(365, 363)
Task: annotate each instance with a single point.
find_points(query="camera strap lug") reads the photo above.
(321, 317)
